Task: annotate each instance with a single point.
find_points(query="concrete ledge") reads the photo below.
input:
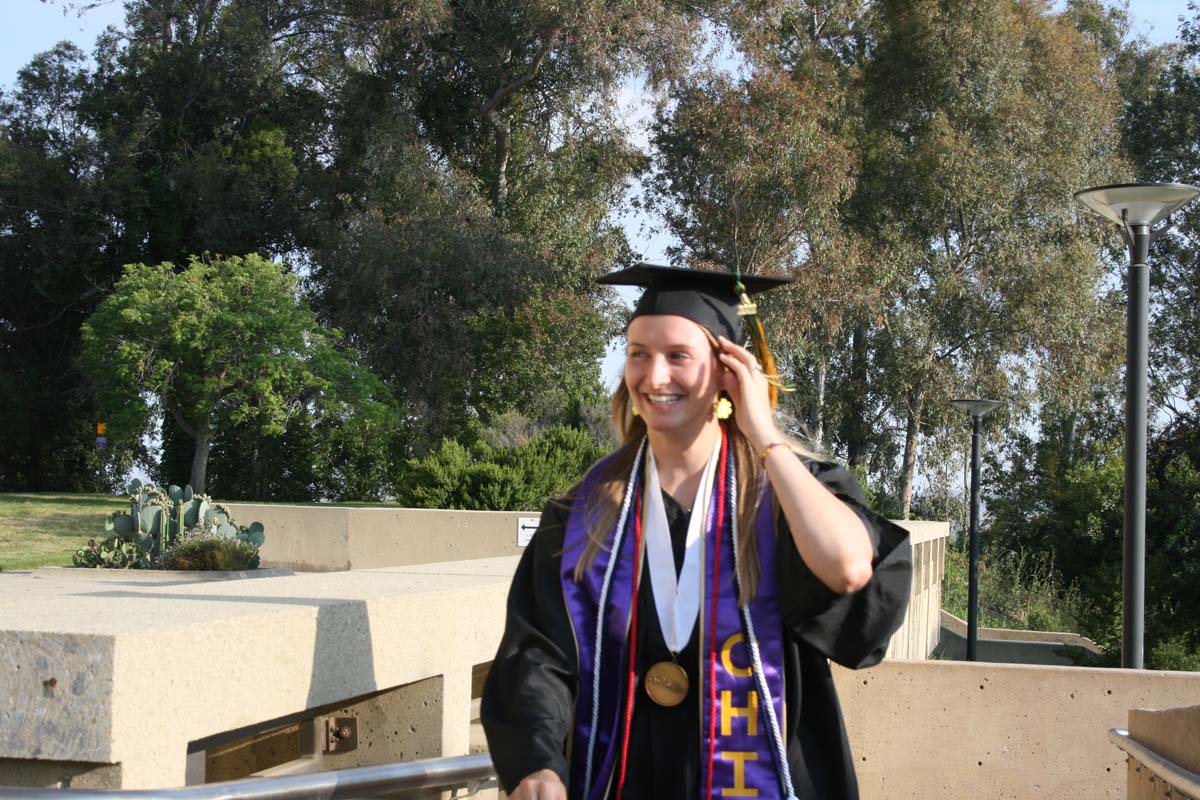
(1005, 646)
(106, 670)
(335, 538)
(1172, 733)
(925, 729)
(156, 576)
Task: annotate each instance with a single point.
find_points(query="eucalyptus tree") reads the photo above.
(748, 176)
(982, 117)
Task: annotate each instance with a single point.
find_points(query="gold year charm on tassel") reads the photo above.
(747, 308)
(667, 683)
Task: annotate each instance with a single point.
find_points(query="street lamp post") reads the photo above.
(1136, 208)
(977, 409)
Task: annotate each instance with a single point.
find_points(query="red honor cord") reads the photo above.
(633, 628)
(712, 618)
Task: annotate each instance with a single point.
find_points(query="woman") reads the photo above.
(669, 625)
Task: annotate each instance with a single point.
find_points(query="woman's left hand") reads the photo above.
(744, 381)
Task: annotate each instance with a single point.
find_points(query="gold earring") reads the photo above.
(634, 409)
(723, 408)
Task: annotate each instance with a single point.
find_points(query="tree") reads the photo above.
(749, 175)
(982, 117)
(475, 166)
(1161, 128)
(463, 319)
(221, 341)
(186, 137)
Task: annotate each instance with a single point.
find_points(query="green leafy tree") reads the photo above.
(463, 318)
(220, 341)
(1161, 126)
(982, 118)
(187, 136)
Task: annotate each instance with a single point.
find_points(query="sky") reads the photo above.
(33, 26)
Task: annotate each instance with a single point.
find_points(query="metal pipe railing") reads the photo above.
(473, 772)
(1179, 778)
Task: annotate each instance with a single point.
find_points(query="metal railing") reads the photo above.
(1179, 778)
(469, 774)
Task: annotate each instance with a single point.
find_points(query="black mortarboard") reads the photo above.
(708, 298)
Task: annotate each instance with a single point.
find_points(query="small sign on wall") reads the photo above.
(525, 528)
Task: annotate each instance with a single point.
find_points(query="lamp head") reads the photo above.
(976, 408)
(1137, 203)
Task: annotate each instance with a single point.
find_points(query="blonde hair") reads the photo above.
(603, 507)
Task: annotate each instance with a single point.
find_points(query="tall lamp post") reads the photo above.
(977, 409)
(1136, 208)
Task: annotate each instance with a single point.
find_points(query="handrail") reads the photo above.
(474, 772)
(1182, 779)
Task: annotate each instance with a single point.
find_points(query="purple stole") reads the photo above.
(740, 752)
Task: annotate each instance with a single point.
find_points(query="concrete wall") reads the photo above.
(1005, 646)
(944, 729)
(1173, 734)
(336, 538)
(110, 680)
(920, 632)
(327, 538)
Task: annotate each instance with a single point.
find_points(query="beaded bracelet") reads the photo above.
(767, 450)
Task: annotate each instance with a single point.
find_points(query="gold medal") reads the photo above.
(667, 683)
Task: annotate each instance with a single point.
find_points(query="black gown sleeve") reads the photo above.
(529, 697)
(851, 629)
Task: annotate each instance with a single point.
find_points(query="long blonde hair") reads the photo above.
(603, 507)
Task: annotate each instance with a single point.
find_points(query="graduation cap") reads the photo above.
(719, 301)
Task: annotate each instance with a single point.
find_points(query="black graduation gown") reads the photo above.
(529, 697)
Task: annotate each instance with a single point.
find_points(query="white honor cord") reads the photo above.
(766, 703)
(618, 537)
(677, 600)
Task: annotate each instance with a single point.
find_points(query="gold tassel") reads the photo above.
(758, 337)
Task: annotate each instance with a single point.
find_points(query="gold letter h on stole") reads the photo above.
(728, 712)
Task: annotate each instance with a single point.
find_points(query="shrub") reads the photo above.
(202, 552)
(482, 476)
(1016, 590)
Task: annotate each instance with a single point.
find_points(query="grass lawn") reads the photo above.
(45, 529)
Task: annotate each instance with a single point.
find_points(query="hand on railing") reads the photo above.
(541, 785)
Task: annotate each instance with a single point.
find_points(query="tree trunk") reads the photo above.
(200, 459)
(503, 126)
(817, 417)
(916, 403)
(856, 428)
(503, 148)
(1069, 439)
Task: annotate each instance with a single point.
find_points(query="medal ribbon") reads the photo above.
(677, 599)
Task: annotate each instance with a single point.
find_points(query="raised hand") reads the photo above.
(744, 381)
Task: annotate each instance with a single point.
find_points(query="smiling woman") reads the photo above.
(671, 372)
(673, 615)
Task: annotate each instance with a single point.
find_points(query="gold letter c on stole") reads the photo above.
(727, 658)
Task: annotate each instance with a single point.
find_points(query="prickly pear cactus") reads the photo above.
(112, 553)
(157, 521)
